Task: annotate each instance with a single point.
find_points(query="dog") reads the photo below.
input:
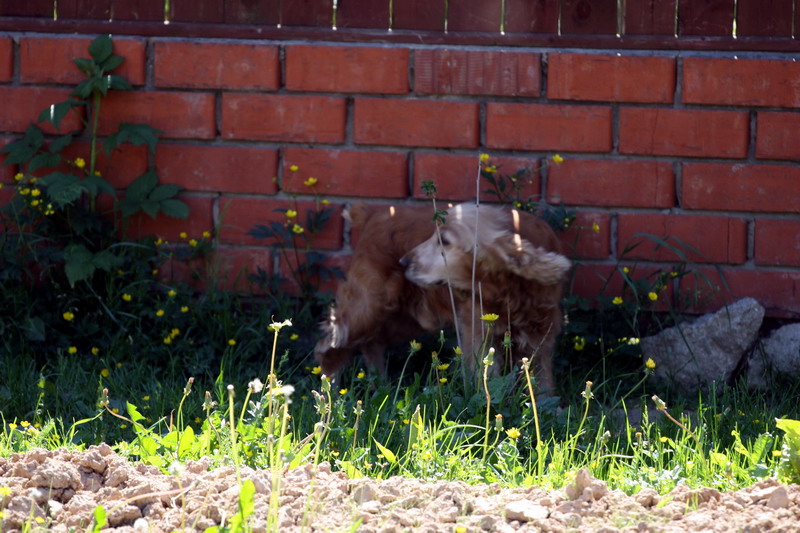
(404, 271)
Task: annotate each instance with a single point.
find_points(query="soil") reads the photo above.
(59, 490)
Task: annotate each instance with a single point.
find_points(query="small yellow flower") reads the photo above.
(595, 227)
(663, 439)
(443, 366)
(650, 364)
(206, 234)
(68, 316)
(80, 162)
(145, 398)
(316, 370)
(12, 426)
(72, 350)
(415, 346)
(35, 203)
(557, 159)
(491, 169)
(325, 201)
(406, 421)
(294, 168)
(154, 272)
(342, 391)
(310, 182)
(192, 242)
(580, 344)
(24, 423)
(127, 297)
(105, 372)
(36, 192)
(115, 410)
(159, 241)
(484, 158)
(294, 337)
(19, 176)
(653, 296)
(291, 213)
(95, 350)
(513, 433)
(39, 520)
(5, 491)
(776, 453)
(361, 374)
(185, 309)
(457, 351)
(231, 342)
(617, 300)
(172, 293)
(490, 317)
(160, 312)
(197, 420)
(183, 235)
(626, 270)
(298, 229)
(167, 340)
(174, 333)
(119, 365)
(442, 380)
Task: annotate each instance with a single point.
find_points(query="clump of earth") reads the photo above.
(59, 491)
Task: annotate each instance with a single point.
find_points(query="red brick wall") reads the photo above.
(702, 146)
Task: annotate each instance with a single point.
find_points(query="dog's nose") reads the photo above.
(403, 261)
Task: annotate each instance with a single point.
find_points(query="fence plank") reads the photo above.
(650, 17)
(137, 10)
(474, 15)
(27, 8)
(84, 9)
(595, 17)
(532, 16)
(705, 17)
(197, 10)
(418, 15)
(252, 12)
(769, 18)
(362, 14)
(317, 13)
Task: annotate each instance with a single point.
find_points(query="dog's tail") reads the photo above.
(357, 214)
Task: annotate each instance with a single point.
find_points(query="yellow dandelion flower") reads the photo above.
(310, 182)
(80, 162)
(776, 453)
(127, 297)
(617, 300)
(160, 313)
(105, 372)
(342, 391)
(172, 293)
(325, 202)
(298, 229)
(69, 317)
(5, 491)
(231, 342)
(442, 380)
(361, 374)
(513, 433)
(291, 213)
(168, 340)
(484, 158)
(653, 296)
(159, 241)
(72, 350)
(443, 366)
(185, 309)
(294, 168)
(316, 370)
(579, 344)
(119, 365)
(490, 317)
(626, 270)
(19, 176)
(36, 192)
(406, 421)
(650, 364)
(491, 169)
(146, 398)
(557, 159)
(174, 333)
(663, 439)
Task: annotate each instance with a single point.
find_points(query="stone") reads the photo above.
(707, 350)
(525, 511)
(779, 355)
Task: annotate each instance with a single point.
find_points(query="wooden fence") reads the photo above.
(729, 24)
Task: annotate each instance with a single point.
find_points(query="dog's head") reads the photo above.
(447, 255)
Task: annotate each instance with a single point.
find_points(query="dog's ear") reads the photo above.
(524, 259)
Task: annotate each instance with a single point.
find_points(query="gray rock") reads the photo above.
(779, 356)
(709, 349)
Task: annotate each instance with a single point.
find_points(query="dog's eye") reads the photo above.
(445, 241)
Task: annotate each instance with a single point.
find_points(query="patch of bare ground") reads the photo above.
(59, 490)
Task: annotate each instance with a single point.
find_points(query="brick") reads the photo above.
(611, 183)
(611, 78)
(6, 171)
(240, 215)
(765, 188)
(346, 172)
(777, 134)
(287, 265)
(126, 163)
(777, 242)
(684, 132)
(176, 114)
(416, 123)
(50, 59)
(214, 168)
(6, 59)
(728, 81)
(239, 263)
(289, 118)
(347, 69)
(452, 71)
(200, 220)
(455, 175)
(23, 105)
(548, 127)
(702, 239)
(588, 237)
(216, 65)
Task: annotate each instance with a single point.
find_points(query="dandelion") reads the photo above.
(119, 365)
(294, 168)
(442, 380)
(617, 300)
(69, 317)
(513, 433)
(650, 364)
(317, 370)
(776, 453)
(5, 491)
(291, 213)
(80, 162)
(663, 439)
(72, 350)
(310, 182)
(626, 270)
(443, 366)
(653, 296)
(460, 529)
(12, 426)
(127, 297)
(105, 372)
(484, 158)
(342, 391)
(361, 374)
(490, 317)
(158, 242)
(160, 313)
(298, 229)
(415, 346)
(557, 159)
(35, 203)
(406, 421)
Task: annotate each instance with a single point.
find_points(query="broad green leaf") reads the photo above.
(163, 192)
(151, 208)
(106, 261)
(83, 90)
(23, 150)
(118, 83)
(142, 186)
(34, 328)
(133, 412)
(187, 442)
(175, 208)
(247, 505)
(56, 112)
(44, 160)
(113, 62)
(79, 265)
(387, 453)
(63, 188)
(96, 184)
(101, 48)
(87, 66)
(99, 519)
(59, 144)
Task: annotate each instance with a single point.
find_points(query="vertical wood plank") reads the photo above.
(27, 8)
(474, 15)
(418, 15)
(767, 18)
(137, 10)
(650, 17)
(252, 12)
(532, 16)
(705, 17)
(84, 9)
(197, 10)
(362, 14)
(316, 13)
(596, 17)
